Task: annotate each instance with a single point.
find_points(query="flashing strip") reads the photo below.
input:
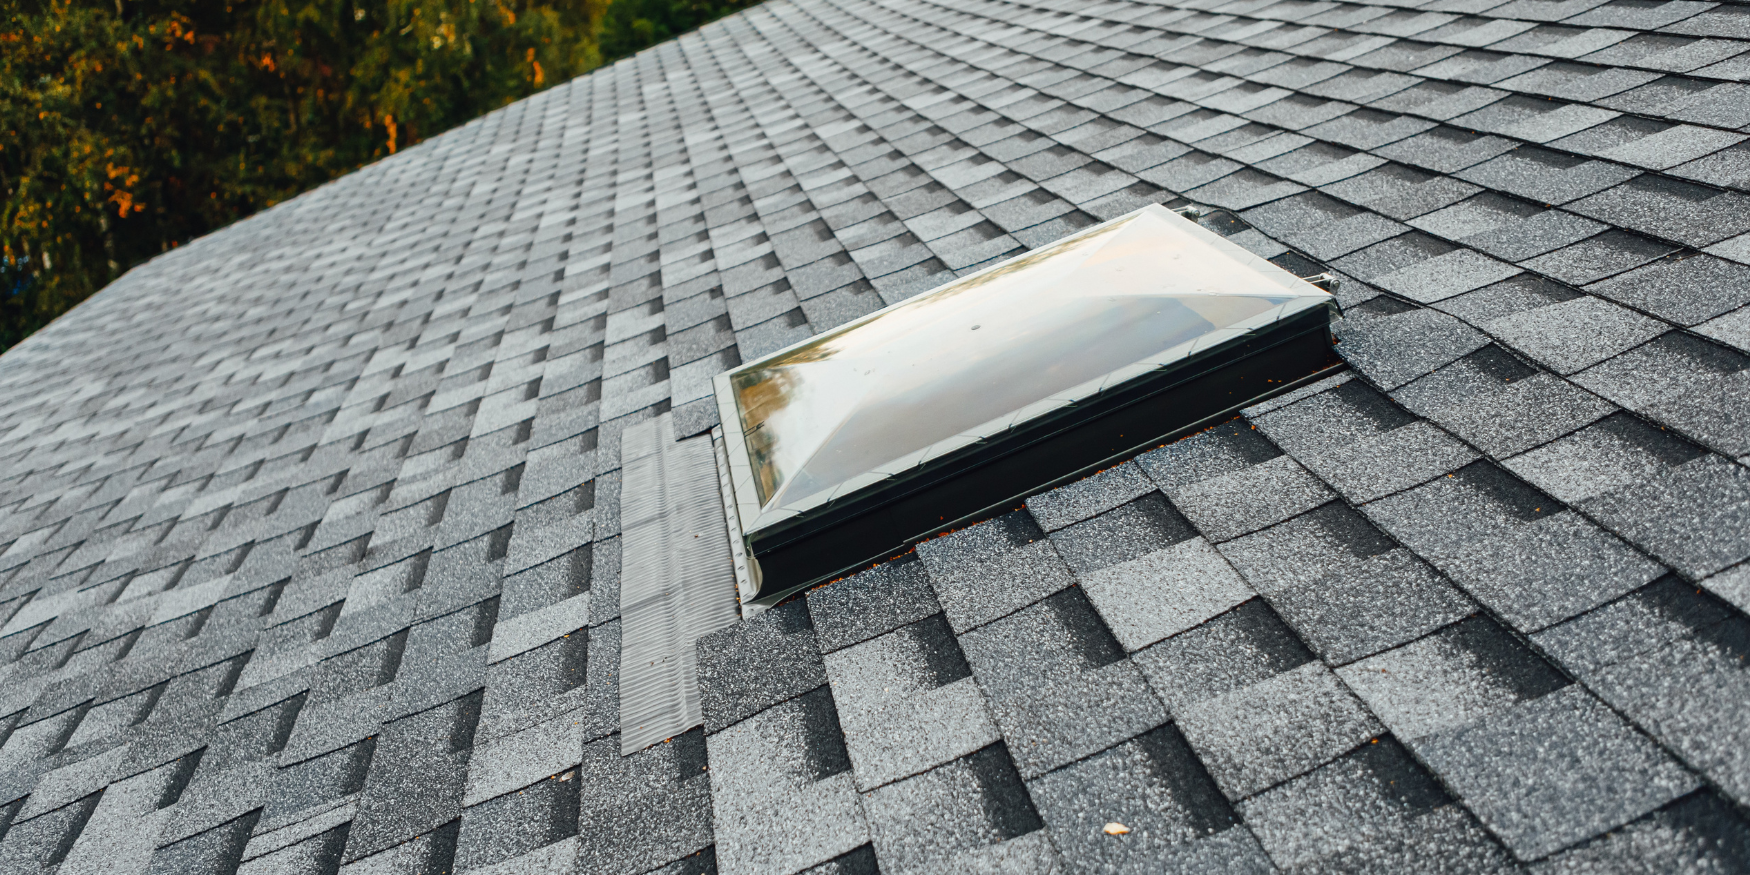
(746, 587)
(677, 578)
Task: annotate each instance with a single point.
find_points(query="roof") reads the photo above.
(309, 552)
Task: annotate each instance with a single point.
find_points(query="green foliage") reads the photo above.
(128, 126)
(630, 25)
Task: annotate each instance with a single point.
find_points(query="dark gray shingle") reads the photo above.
(344, 476)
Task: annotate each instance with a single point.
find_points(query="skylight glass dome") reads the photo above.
(833, 434)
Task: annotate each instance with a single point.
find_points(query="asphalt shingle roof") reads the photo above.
(309, 555)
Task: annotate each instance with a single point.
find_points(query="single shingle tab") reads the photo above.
(871, 603)
(907, 702)
(1139, 527)
(1627, 14)
(758, 663)
(1511, 547)
(1045, 668)
(1692, 516)
(1446, 149)
(1500, 404)
(1374, 336)
(1546, 176)
(1155, 786)
(1686, 692)
(1374, 806)
(1700, 827)
(1321, 226)
(421, 766)
(791, 755)
(993, 568)
(1616, 451)
(1401, 192)
(518, 823)
(1096, 494)
(1165, 592)
(643, 809)
(1645, 620)
(1691, 214)
(1243, 646)
(972, 814)
(1342, 585)
(1265, 733)
(1728, 168)
(1685, 288)
(1518, 239)
(1453, 678)
(1226, 507)
(1667, 368)
(1572, 335)
(1537, 775)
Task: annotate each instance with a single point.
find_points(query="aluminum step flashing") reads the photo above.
(677, 578)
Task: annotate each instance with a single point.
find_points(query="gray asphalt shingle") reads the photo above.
(1272, 730)
(1045, 668)
(991, 569)
(1510, 547)
(309, 554)
(1554, 770)
(1155, 786)
(907, 702)
(1372, 807)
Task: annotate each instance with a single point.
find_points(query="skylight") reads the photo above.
(847, 446)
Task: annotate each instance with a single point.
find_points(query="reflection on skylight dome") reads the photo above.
(969, 355)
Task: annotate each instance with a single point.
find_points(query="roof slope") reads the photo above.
(308, 547)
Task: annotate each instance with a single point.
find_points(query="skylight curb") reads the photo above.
(1115, 267)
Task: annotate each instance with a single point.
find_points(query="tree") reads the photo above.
(630, 25)
(129, 126)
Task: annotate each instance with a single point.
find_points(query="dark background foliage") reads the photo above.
(128, 127)
(631, 25)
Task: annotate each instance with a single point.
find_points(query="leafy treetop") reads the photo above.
(129, 126)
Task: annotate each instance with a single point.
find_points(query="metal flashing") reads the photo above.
(677, 581)
(746, 587)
